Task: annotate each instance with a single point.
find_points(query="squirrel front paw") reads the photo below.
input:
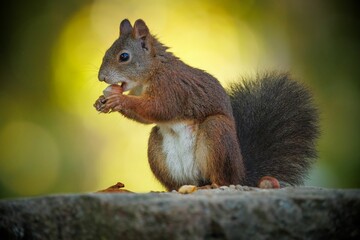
(109, 104)
(110, 101)
(100, 104)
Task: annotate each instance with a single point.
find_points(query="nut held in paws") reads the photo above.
(112, 89)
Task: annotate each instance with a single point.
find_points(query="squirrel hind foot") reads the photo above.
(268, 182)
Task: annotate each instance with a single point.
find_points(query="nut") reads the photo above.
(185, 189)
(112, 89)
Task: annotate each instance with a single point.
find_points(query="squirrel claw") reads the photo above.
(100, 104)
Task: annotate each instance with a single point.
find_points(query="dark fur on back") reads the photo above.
(277, 126)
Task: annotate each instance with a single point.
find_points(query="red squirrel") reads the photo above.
(203, 134)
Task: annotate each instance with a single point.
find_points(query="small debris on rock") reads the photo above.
(186, 189)
(117, 188)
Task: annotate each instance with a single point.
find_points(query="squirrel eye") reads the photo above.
(124, 57)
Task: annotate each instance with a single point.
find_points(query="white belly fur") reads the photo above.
(179, 140)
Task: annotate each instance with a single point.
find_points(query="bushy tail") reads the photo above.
(277, 126)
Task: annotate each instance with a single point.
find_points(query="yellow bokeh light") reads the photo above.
(30, 163)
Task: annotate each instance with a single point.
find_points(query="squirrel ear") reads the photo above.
(140, 29)
(125, 27)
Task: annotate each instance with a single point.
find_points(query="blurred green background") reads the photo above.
(53, 141)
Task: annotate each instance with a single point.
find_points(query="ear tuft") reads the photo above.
(125, 27)
(140, 29)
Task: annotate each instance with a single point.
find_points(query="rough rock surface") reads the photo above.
(225, 213)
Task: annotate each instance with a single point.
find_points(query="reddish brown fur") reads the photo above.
(171, 92)
(223, 165)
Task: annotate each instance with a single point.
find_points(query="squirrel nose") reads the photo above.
(101, 77)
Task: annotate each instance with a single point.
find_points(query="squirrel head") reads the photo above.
(130, 59)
